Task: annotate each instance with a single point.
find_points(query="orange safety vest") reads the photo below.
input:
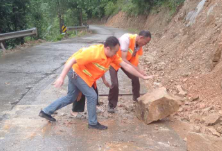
(132, 59)
(92, 63)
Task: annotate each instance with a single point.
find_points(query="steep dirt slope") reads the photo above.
(185, 53)
(156, 22)
(187, 56)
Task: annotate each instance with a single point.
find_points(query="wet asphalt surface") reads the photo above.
(25, 88)
(22, 71)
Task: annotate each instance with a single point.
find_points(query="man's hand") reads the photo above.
(149, 77)
(59, 82)
(107, 84)
(142, 72)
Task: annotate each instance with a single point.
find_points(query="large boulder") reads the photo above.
(156, 105)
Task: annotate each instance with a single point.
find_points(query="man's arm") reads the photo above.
(124, 57)
(105, 82)
(133, 71)
(59, 82)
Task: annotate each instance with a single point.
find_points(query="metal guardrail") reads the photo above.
(77, 27)
(30, 32)
(17, 34)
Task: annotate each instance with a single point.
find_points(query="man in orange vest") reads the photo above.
(130, 51)
(83, 68)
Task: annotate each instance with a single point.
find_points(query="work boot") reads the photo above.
(98, 126)
(47, 116)
(111, 109)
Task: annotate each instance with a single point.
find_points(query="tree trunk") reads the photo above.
(59, 16)
(80, 16)
(60, 22)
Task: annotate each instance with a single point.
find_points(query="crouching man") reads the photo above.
(83, 68)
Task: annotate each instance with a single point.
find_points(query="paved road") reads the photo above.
(25, 88)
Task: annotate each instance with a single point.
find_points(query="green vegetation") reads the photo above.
(172, 5)
(47, 16)
(50, 15)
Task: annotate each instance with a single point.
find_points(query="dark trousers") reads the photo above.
(79, 106)
(114, 91)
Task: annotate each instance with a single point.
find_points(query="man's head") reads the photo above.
(111, 46)
(143, 38)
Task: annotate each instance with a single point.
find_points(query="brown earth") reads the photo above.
(185, 55)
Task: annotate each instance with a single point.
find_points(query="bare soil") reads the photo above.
(185, 54)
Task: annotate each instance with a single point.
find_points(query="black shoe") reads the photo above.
(46, 116)
(97, 126)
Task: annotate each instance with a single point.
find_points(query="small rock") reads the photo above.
(219, 129)
(157, 84)
(156, 128)
(196, 129)
(186, 74)
(212, 119)
(180, 109)
(63, 114)
(195, 117)
(214, 132)
(194, 98)
(181, 91)
(208, 109)
(184, 80)
(201, 105)
(105, 115)
(121, 105)
(187, 103)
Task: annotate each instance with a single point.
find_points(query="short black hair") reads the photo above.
(111, 42)
(145, 33)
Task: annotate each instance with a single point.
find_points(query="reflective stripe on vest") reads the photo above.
(87, 72)
(131, 51)
(100, 67)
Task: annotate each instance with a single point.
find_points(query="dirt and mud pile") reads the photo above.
(186, 59)
(185, 54)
